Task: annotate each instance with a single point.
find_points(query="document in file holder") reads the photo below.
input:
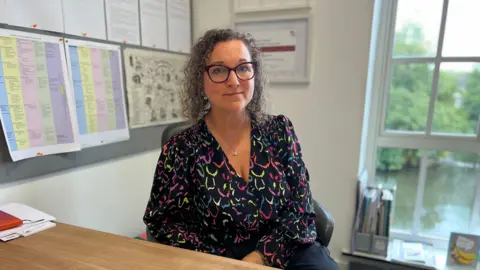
(33, 221)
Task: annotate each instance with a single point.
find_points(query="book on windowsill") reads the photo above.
(413, 253)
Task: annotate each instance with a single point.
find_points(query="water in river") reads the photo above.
(448, 200)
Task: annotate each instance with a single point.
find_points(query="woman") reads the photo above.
(234, 184)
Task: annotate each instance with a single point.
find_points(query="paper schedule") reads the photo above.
(35, 96)
(98, 89)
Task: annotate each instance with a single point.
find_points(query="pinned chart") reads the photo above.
(76, 23)
(179, 26)
(154, 82)
(36, 102)
(123, 21)
(37, 14)
(95, 71)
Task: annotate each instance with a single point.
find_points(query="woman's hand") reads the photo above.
(254, 257)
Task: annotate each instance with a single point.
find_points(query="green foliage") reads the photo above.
(407, 110)
(409, 99)
(389, 159)
(410, 41)
(472, 97)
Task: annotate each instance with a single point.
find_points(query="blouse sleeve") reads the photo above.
(296, 223)
(168, 214)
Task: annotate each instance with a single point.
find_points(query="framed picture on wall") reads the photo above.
(284, 46)
(249, 6)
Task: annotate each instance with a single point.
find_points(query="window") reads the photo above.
(423, 115)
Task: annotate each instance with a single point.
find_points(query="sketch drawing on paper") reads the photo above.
(154, 80)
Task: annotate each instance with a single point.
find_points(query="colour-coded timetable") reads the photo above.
(34, 100)
(98, 90)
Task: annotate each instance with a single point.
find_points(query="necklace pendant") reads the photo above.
(235, 153)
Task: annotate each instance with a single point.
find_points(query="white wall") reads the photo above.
(109, 196)
(327, 114)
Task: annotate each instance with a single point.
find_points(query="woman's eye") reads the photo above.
(218, 70)
(244, 69)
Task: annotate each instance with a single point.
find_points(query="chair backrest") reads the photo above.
(174, 129)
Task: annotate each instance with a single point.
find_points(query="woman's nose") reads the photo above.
(232, 79)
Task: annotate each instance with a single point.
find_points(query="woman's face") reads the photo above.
(235, 93)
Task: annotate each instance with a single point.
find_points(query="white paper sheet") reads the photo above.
(85, 18)
(32, 218)
(36, 99)
(153, 15)
(154, 80)
(122, 21)
(3, 11)
(10, 237)
(96, 76)
(179, 28)
(45, 14)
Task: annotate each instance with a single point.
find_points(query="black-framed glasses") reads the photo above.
(219, 73)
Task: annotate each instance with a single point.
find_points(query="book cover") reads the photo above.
(8, 221)
(463, 250)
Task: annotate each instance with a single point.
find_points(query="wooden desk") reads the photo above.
(70, 247)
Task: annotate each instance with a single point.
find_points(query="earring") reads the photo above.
(202, 94)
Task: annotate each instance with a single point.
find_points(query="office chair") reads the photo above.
(323, 221)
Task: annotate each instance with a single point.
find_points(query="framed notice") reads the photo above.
(284, 46)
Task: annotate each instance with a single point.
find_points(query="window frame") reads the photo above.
(378, 90)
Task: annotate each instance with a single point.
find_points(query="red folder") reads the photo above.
(8, 221)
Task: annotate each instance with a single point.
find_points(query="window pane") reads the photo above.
(409, 97)
(462, 23)
(449, 194)
(417, 27)
(476, 217)
(400, 167)
(458, 99)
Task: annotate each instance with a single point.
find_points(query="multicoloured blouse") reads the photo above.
(199, 202)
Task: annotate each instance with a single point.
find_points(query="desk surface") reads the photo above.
(70, 247)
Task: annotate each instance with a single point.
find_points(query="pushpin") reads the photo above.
(84, 34)
(34, 25)
(61, 39)
(39, 154)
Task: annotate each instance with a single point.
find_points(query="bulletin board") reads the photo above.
(140, 140)
(122, 21)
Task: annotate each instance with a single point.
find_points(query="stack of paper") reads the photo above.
(418, 255)
(33, 221)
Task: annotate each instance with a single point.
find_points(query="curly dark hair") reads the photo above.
(195, 105)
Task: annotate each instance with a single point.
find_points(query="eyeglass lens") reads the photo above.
(220, 73)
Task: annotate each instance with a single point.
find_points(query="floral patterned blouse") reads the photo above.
(199, 202)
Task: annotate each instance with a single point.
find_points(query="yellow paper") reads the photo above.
(88, 90)
(11, 70)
